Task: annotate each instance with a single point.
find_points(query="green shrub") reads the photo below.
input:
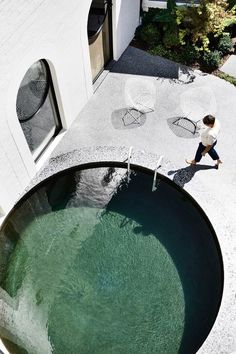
(159, 50)
(211, 60)
(189, 54)
(175, 56)
(228, 78)
(225, 44)
(197, 23)
(170, 39)
(149, 17)
(149, 34)
(166, 21)
(166, 53)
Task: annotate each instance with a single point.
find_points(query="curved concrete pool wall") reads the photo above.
(221, 336)
(192, 241)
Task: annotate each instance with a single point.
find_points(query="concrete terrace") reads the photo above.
(98, 134)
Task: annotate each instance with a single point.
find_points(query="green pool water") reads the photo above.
(91, 264)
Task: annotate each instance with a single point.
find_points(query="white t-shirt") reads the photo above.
(209, 135)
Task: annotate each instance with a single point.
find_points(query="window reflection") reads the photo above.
(96, 18)
(36, 108)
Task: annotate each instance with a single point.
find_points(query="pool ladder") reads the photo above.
(154, 183)
(159, 162)
(128, 166)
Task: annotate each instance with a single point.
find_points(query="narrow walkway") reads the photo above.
(229, 66)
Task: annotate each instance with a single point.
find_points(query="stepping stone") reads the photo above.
(229, 66)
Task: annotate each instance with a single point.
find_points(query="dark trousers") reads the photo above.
(211, 152)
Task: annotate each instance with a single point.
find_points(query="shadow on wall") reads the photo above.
(138, 62)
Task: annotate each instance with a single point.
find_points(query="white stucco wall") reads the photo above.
(29, 31)
(55, 30)
(126, 14)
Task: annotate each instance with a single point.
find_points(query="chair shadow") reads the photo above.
(121, 120)
(183, 127)
(184, 175)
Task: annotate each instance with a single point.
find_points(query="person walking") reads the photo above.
(208, 142)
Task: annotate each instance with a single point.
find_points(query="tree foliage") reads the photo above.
(191, 33)
(197, 23)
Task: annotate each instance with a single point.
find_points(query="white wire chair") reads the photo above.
(140, 98)
(196, 103)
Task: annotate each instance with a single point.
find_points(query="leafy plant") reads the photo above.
(159, 50)
(211, 60)
(149, 17)
(189, 54)
(197, 23)
(166, 18)
(183, 34)
(225, 44)
(170, 39)
(149, 34)
(162, 51)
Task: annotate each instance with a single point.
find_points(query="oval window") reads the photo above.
(36, 108)
(32, 92)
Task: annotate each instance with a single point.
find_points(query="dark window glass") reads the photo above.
(97, 15)
(37, 109)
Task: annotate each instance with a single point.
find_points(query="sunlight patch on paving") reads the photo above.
(229, 66)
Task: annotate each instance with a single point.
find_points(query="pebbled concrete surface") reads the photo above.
(93, 137)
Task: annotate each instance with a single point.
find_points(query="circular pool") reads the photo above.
(90, 263)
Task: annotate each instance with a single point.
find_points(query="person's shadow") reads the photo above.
(184, 175)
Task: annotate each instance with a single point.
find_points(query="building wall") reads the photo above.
(55, 30)
(126, 16)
